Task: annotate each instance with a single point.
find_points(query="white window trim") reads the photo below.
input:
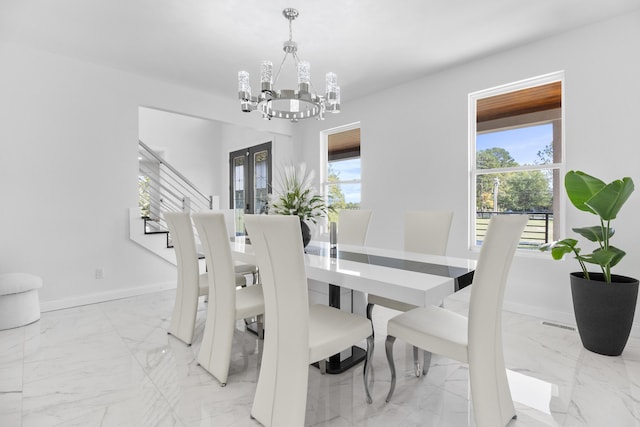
(472, 171)
(324, 157)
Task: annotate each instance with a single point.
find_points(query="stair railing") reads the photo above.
(163, 188)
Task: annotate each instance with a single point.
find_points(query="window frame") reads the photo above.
(324, 159)
(558, 190)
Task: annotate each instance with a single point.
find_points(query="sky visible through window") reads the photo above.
(522, 144)
(348, 170)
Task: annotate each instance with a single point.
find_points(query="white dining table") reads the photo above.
(415, 278)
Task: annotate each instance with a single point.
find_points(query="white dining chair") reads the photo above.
(353, 226)
(239, 267)
(229, 297)
(297, 334)
(476, 339)
(191, 283)
(425, 232)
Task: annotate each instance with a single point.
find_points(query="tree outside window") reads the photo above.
(342, 184)
(517, 157)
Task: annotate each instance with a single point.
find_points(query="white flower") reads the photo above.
(297, 196)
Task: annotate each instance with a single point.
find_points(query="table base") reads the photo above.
(337, 366)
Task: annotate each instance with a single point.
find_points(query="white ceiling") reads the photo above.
(369, 44)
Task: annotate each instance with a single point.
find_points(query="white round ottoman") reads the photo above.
(19, 301)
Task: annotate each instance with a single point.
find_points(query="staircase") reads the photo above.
(161, 188)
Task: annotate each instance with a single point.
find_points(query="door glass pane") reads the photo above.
(260, 181)
(238, 193)
(250, 176)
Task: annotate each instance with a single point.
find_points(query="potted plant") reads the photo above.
(604, 303)
(298, 197)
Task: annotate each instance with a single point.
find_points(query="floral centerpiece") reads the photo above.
(297, 196)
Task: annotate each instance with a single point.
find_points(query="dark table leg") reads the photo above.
(335, 365)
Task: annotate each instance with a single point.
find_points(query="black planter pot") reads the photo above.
(306, 233)
(604, 311)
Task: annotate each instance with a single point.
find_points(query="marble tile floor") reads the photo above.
(112, 364)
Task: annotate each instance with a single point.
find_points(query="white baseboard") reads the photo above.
(557, 316)
(543, 313)
(63, 303)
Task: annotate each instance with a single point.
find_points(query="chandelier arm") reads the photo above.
(275, 81)
(313, 90)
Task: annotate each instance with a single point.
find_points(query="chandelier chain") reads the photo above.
(290, 30)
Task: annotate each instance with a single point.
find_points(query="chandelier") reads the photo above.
(289, 103)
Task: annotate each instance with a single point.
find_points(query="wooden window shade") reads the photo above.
(530, 100)
(344, 145)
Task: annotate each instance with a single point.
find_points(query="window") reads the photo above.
(342, 185)
(516, 157)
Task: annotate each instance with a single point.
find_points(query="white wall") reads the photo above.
(415, 147)
(190, 144)
(68, 145)
(199, 148)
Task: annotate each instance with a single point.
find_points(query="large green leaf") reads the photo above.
(619, 254)
(609, 200)
(594, 234)
(605, 257)
(581, 187)
(560, 247)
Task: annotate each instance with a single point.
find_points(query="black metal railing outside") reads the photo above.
(539, 229)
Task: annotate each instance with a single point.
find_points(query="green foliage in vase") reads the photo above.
(297, 195)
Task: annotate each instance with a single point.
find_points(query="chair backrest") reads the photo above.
(489, 280)
(353, 225)
(184, 244)
(213, 234)
(230, 220)
(427, 232)
(280, 257)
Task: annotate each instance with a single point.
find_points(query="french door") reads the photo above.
(249, 182)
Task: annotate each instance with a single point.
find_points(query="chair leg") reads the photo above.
(416, 361)
(322, 364)
(369, 314)
(389, 349)
(367, 366)
(260, 322)
(427, 362)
